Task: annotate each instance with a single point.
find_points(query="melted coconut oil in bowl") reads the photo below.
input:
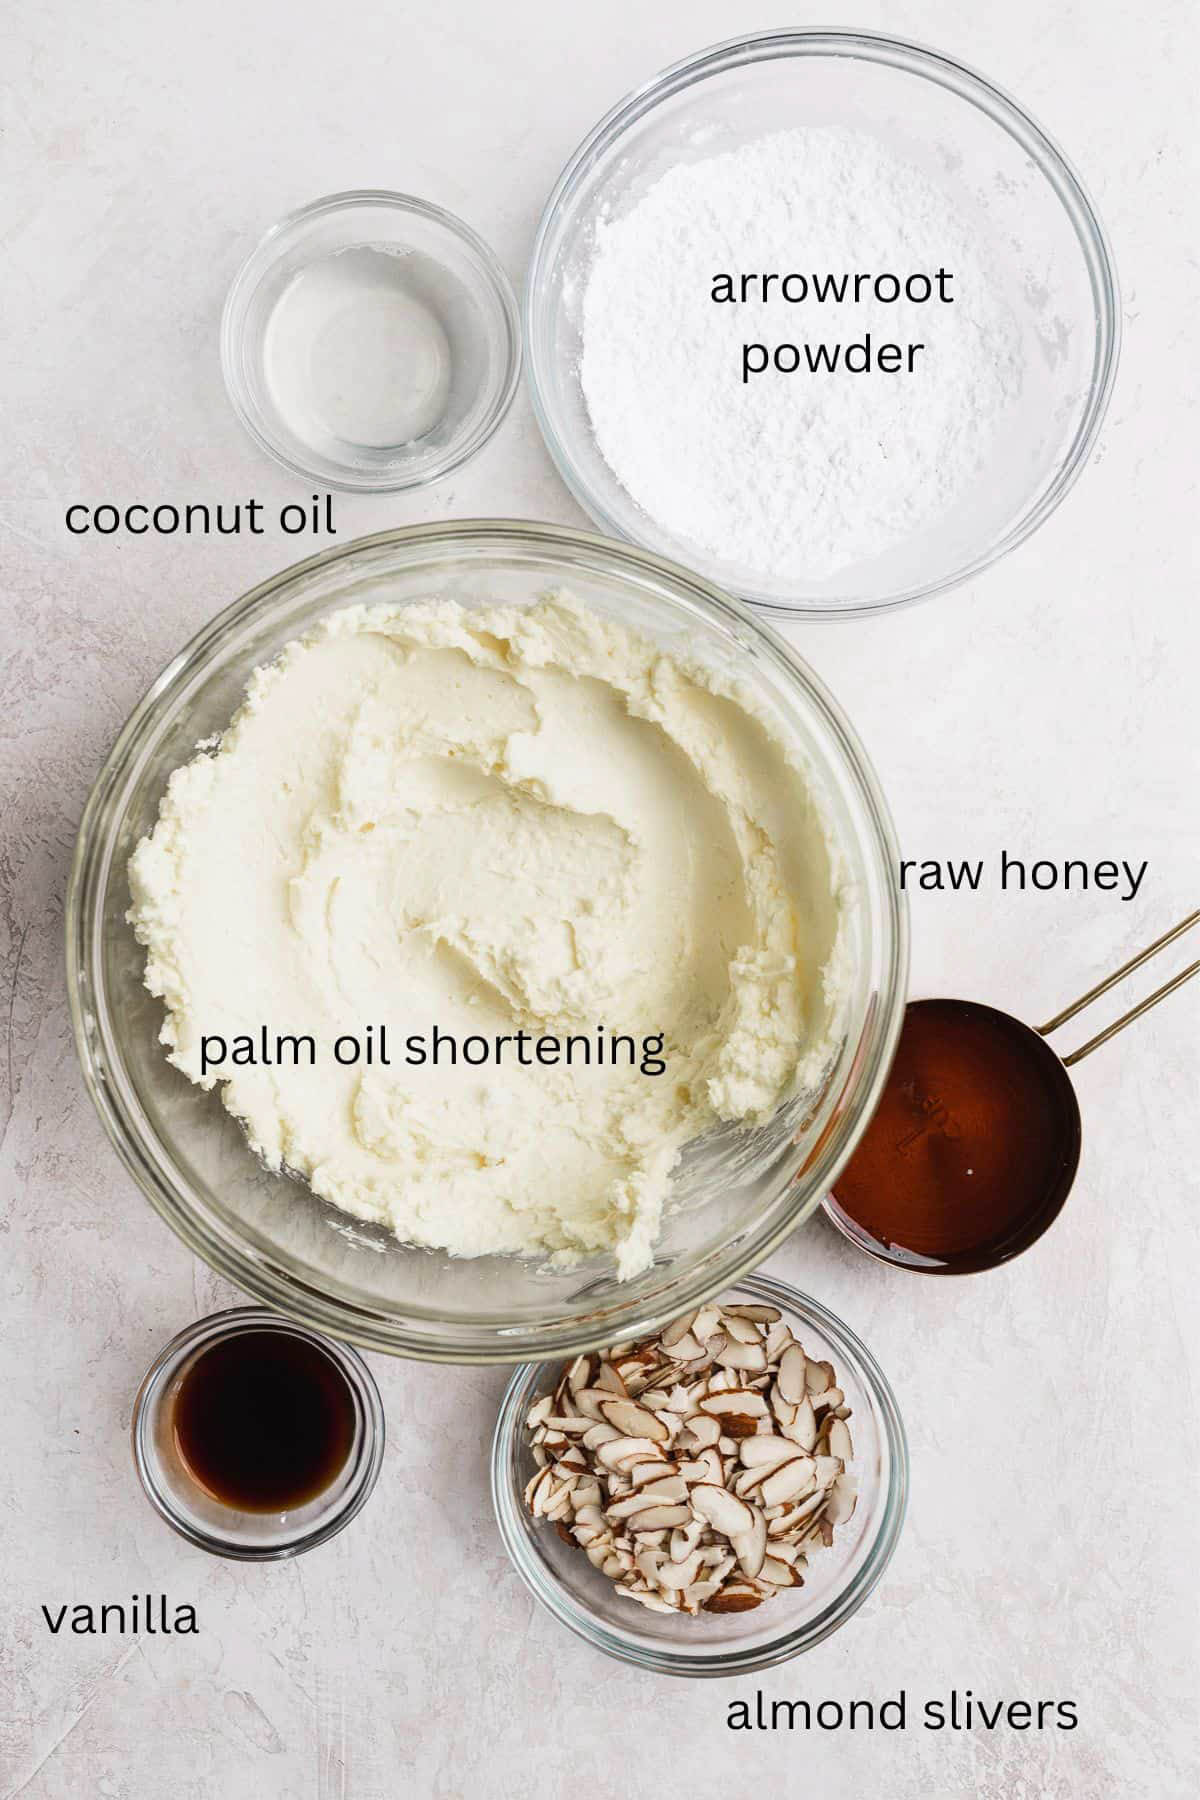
(356, 356)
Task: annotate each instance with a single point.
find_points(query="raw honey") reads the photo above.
(973, 1147)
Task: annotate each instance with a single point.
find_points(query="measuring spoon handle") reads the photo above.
(1102, 987)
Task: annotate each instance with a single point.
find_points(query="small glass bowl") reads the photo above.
(456, 278)
(837, 1580)
(1043, 236)
(194, 1514)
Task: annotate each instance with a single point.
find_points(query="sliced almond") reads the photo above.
(795, 1516)
(659, 1518)
(630, 1505)
(589, 1400)
(779, 1574)
(789, 1481)
(723, 1510)
(763, 1450)
(733, 1598)
(685, 1538)
(840, 1441)
(671, 1334)
(819, 1378)
(654, 1469)
(679, 1575)
(603, 1433)
(707, 1322)
(750, 1547)
(702, 1430)
(647, 1562)
(693, 1598)
(828, 1468)
(534, 1486)
(843, 1498)
(624, 1450)
(803, 1428)
(653, 1398)
(672, 1487)
(743, 1356)
(793, 1374)
(634, 1420)
(734, 1403)
(705, 1467)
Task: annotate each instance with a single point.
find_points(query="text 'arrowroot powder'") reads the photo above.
(794, 356)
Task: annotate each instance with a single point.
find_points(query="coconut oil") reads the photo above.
(355, 355)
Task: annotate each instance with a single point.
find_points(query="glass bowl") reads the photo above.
(836, 1582)
(251, 1536)
(960, 130)
(452, 282)
(737, 1194)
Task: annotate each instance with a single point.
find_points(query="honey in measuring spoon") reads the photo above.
(975, 1143)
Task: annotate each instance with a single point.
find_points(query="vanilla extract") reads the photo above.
(263, 1421)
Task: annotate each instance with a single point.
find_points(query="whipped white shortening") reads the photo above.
(485, 821)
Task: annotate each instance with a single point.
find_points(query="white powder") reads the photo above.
(793, 475)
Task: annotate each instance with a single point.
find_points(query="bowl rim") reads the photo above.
(262, 257)
(508, 1506)
(914, 58)
(264, 1276)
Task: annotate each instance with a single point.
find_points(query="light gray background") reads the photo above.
(1049, 709)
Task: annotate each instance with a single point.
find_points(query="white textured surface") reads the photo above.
(1049, 709)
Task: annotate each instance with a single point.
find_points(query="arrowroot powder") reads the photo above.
(796, 473)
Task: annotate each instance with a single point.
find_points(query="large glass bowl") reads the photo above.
(739, 1193)
(1041, 233)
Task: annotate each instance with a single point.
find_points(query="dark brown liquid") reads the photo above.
(263, 1421)
(974, 1144)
